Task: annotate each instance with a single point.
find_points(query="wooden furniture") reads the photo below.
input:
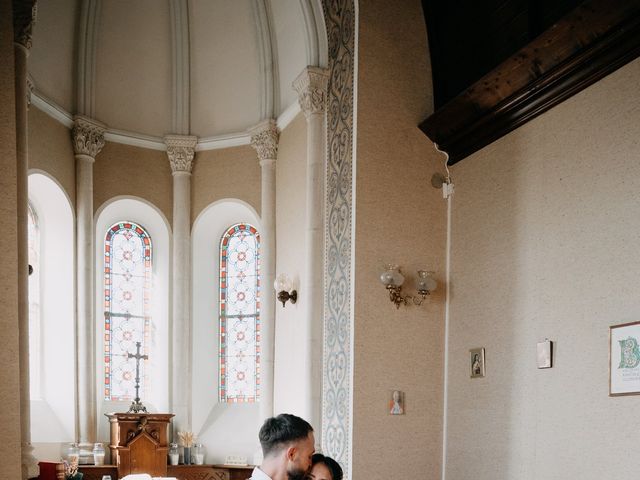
(95, 472)
(139, 442)
(209, 472)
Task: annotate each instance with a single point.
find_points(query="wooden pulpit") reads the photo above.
(139, 442)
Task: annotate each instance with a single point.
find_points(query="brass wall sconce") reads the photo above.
(393, 279)
(284, 289)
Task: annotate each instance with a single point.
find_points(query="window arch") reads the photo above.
(127, 307)
(239, 335)
(34, 303)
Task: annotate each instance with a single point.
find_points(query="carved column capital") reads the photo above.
(264, 139)
(88, 136)
(181, 149)
(24, 17)
(311, 86)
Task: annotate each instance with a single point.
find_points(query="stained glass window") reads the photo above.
(239, 357)
(34, 304)
(127, 307)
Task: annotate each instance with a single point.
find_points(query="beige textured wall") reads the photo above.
(290, 345)
(399, 219)
(51, 150)
(546, 224)
(9, 373)
(228, 173)
(126, 170)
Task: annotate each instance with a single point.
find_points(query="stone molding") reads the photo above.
(88, 136)
(311, 86)
(181, 149)
(264, 139)
(24, 18)
(30, 89)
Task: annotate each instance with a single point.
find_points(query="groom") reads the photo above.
(287, 445)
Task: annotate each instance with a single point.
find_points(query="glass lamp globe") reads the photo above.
(282, 283)
(425, 282)
(391, 276)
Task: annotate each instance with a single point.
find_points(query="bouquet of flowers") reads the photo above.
(187, 439)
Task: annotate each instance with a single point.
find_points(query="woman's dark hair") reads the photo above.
(330, 463)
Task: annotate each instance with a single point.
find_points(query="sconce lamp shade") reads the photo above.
(425, 282)
(282, 283)
(391, 277)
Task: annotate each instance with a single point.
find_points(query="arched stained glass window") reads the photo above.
(127, 307)
(34, 304)
(239, 357)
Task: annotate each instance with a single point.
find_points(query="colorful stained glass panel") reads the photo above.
(239, 358)
(127, 280)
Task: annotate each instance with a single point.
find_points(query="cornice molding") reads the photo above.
(181, 149)
(88, 136)
(135, 139)
(24, 18)
(264, 139)
(311, 86)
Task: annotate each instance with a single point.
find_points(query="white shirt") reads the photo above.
(258, 474)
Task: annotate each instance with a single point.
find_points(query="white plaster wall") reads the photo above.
(290, 344)
(149, 217)
(52, 57)
(546, 223)
(288, 25)
(53, 411)
(224, 429)
(133, 66)
(225, 77)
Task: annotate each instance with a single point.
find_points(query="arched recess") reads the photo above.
(149, 217)
(213, 420)
(53, 405)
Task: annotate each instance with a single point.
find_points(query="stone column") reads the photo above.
(88, 140)
(311, 86)
(264, 139)
(24, 14)
(181, 150)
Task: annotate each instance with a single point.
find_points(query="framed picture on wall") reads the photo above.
(476, 362)
(624, 359)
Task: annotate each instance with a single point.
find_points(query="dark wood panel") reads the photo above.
(597, 38)
(209, 472)
(92, 472)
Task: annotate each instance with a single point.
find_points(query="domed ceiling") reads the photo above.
(147, 68)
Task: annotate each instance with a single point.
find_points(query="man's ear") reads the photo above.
(291, 452)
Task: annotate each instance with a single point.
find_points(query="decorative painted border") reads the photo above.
(337, 352)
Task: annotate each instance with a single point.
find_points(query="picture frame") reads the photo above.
(396, 404)
(477, 362)
(624, 359)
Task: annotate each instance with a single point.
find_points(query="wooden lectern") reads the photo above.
(139, 442)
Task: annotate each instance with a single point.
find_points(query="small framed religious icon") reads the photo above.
(544, 354)
(396, 402)
(476, 362)
(624, 359)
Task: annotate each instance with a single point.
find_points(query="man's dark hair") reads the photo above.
(333, 466)
(280, 430)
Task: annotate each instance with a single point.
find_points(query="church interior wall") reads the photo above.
(52, 69)
(399, 219)
(290, 345)
(225, 173)
(124, 170)
(545, 232)
(51, 150)
(212, 420)
(9, 358)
